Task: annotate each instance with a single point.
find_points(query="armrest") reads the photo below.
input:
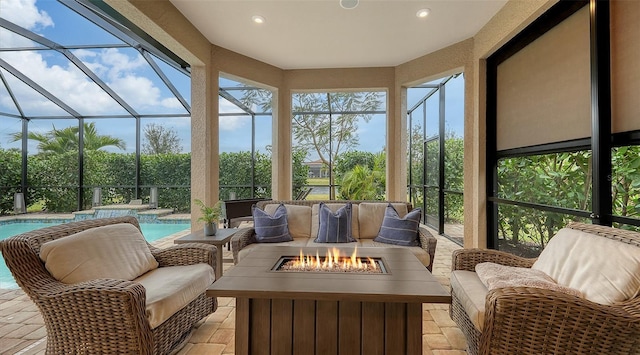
(467, 259)
(428, 242)
(112, 313)
(517, 319)
(185, 254)
(241, 239)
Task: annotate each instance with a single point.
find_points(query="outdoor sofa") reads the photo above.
(591, 305)
(366, 221)
(102, 289)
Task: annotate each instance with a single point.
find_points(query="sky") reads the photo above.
(131, 77)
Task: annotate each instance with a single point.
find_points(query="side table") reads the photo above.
(222, 237)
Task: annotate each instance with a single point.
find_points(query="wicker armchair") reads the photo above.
(103, 316)
(525, 320)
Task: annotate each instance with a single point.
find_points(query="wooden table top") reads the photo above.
(408, 280)
(223, 235)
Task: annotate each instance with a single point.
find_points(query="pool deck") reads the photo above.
(22, 330)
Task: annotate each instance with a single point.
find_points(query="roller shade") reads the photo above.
(625, 66)
(543, 91)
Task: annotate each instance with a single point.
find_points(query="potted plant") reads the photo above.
(210, 216)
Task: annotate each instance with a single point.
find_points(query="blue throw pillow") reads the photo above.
(399, 231)
(334, 227)
(271, 229)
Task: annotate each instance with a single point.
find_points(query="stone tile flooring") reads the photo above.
(22, 329)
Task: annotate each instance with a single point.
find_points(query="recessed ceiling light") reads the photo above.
(422, 13)
(349, 4)
(258, 19)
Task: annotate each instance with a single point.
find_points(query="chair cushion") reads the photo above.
(606, 271)
(371, 214)
(334, 227)
(472, 293)
(171, 288)
(495, 276)
(420, 253)
(298, 219)
(315, 221)
(399, 231)
(116, 251)
(271, 228)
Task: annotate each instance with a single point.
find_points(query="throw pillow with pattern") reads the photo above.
(334, 227)
(271, 228)
(399, 231)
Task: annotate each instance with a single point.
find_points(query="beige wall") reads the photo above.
(161, 20)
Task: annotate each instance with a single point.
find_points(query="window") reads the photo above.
(436, 153)
(340, 137)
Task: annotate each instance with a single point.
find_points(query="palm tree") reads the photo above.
(66, 139)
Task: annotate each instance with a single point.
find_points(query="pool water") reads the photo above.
(151, 232)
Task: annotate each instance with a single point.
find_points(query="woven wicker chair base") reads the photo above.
(458, 315)
(532, 321)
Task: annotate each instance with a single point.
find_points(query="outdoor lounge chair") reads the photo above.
(153, 313)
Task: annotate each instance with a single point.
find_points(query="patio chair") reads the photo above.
(528, 319)
(153, 313)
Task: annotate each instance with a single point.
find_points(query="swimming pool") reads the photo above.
(151, 232)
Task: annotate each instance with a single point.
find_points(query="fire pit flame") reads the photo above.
(332, 262)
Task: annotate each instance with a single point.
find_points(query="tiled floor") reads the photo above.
(22, 329)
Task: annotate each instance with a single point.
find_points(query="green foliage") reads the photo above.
(210, 214)
(346, 161)
(160, 140)
(236, 174)
(61, 141)
(363, 182)
(10, 181)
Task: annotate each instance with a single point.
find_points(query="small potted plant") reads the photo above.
(210, 216)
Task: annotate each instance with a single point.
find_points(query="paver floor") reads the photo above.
(22, 330)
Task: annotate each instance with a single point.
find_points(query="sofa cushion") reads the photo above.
(116, 251)
(315, 222)
(296, 242)
(604, 270)
(334, 227)
(420, 253)
(472, 293)
(298, 219)
(271, 228)
(371, 214)
(171, 288)
(399, 231)
(495, 276)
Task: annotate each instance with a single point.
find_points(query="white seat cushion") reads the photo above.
(420, 253)
(171, 288)
(296, 242)
(115, 251)
(604, 270)
(472, 293)
(298, 219)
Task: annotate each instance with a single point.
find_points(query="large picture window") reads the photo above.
(340, 136)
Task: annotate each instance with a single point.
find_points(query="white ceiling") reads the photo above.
(306, 34)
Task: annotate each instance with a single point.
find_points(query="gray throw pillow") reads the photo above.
(334, 227)
(271, 229)
(399, 231)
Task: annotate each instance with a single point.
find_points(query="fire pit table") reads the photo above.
(329, 312)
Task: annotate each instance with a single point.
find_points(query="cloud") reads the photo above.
(231, 123)
(125, 74)
(25, 13)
